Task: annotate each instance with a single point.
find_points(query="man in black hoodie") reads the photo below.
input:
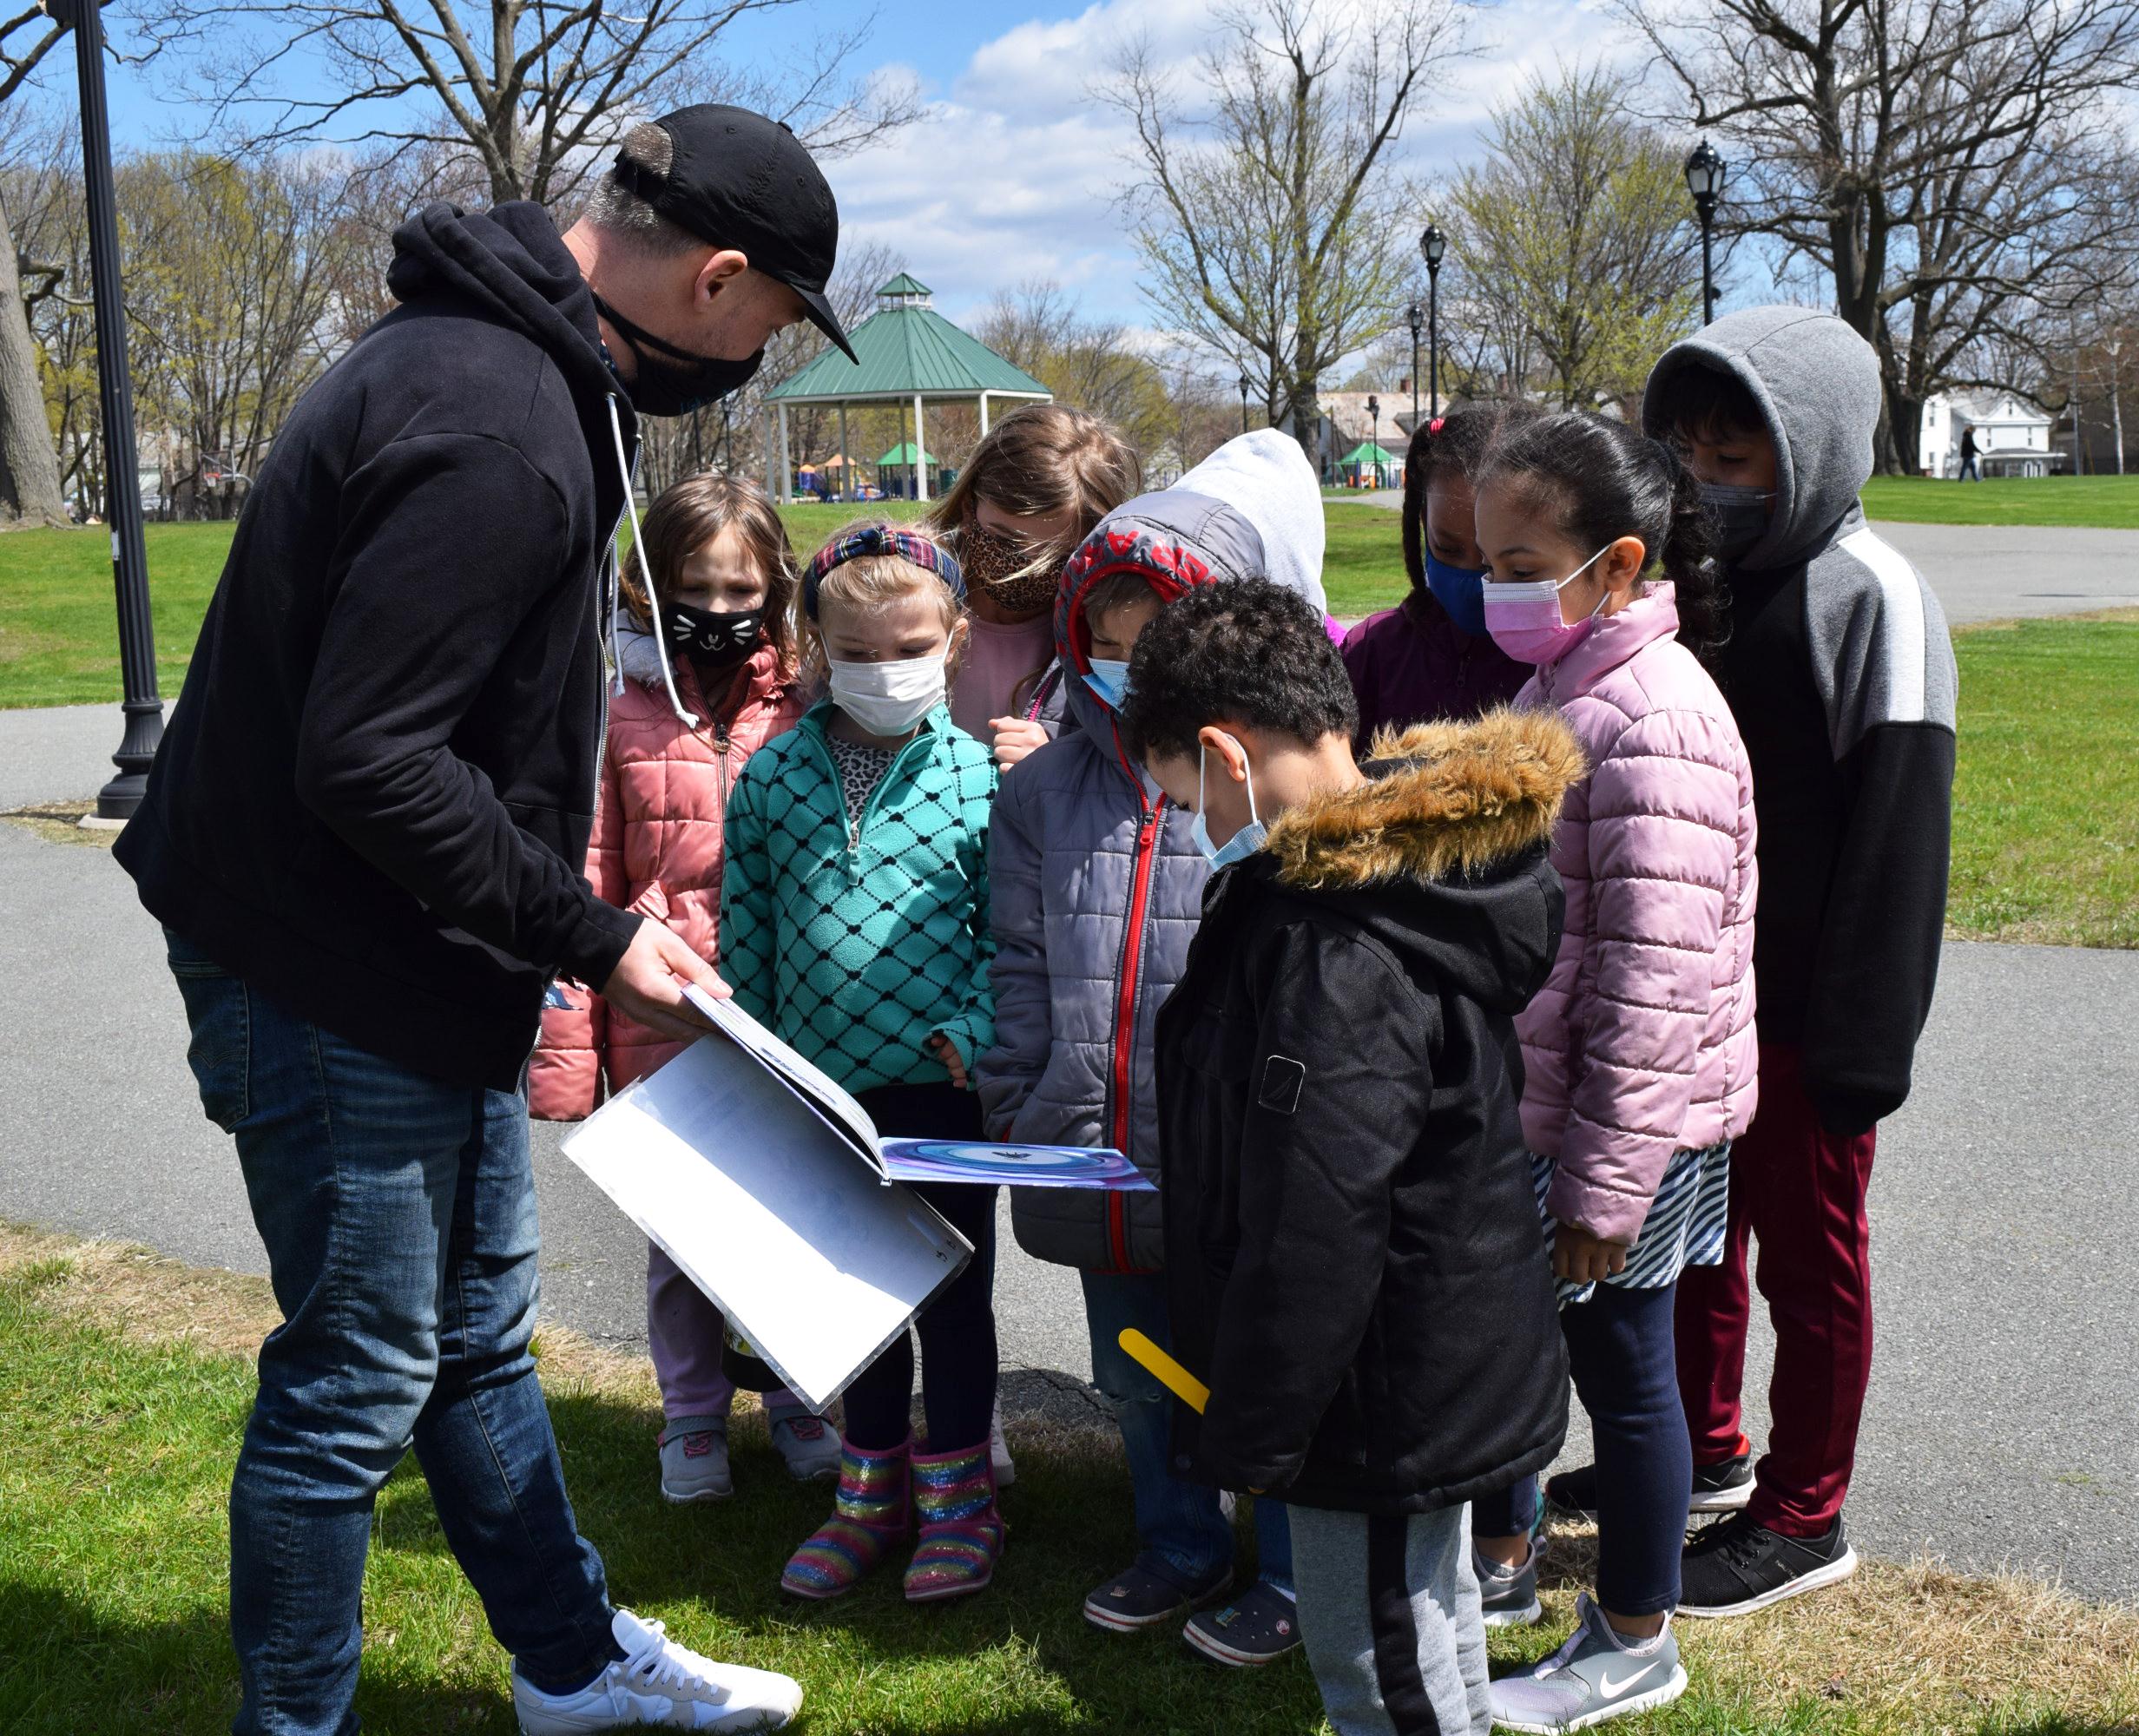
(363, 836)
(1352, 1259)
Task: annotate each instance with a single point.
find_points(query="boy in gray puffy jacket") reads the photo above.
(1095, 889)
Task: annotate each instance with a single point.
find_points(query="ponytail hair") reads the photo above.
(1452, 444)
(1596, 480)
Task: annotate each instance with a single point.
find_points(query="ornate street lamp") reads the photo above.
(1245, 383)
(1704, 180)
(1431, 245)
(1373, 413)
(1416, 319)
(142, 707)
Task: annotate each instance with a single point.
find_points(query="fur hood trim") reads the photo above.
(1454, 800)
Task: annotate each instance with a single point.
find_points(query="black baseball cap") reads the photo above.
(742, 179)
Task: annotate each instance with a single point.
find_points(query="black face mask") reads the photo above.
(710, 640)
(1737, 518)
(671, 381)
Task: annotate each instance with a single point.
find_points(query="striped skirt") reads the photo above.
(1685, 1226)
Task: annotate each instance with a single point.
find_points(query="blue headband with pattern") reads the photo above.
(880, 539)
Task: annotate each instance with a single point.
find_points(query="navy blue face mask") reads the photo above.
(1461, 591)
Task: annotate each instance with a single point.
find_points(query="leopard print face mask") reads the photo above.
(1019, 578)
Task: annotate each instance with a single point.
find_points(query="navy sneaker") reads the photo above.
(1257, 1628)
(1142, 1596)
(1723, 1487)
(1739, 1566)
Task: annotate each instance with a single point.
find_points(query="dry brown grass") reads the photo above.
(61, 823)
(1909, 1647)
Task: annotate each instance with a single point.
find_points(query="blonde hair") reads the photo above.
(868, 583)
(1046, 458)
(689, 514)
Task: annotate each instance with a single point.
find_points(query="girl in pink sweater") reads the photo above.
(1638, 1054)
(707, 676)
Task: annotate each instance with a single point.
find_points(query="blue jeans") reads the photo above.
(399, 1213)
(1620, 1351)
(1181, 1530)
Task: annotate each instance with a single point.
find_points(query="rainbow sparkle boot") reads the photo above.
(961, 1532)
(869, 1514)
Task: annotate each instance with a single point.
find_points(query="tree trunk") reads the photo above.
(29, 489)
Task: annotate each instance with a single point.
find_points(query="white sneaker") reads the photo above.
(659, 1682)
(998, 1449)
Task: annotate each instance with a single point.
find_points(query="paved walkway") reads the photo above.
(2007, 1252)
(1995, 572)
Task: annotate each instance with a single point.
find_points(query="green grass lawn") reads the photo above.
(2046, 799)
(123, 1389)
(2106, 503)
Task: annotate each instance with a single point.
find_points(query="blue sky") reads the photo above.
(1014, 173)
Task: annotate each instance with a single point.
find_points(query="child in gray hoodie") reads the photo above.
(1095, 889)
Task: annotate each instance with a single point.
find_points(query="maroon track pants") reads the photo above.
(1799, 1190)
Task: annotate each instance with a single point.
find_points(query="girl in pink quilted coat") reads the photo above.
(706, 677)
(1639, 1052)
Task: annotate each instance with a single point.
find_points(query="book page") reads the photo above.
(809, 1082)
(818, 1262)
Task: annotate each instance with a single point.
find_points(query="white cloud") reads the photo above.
(1016, 170)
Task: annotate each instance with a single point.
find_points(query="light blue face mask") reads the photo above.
(1109, 679)
(1244, 842)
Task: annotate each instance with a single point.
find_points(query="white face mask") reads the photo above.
(889, 699)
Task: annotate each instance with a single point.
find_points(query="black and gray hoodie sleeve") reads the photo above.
(1884, 663)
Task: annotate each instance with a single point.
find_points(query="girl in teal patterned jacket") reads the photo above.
(855, 923)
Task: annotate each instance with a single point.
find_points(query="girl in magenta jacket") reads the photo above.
(1639, 1052)
(706, 677)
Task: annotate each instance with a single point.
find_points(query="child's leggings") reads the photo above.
(957, 1329)
(685, 1333)
(1619, 1346)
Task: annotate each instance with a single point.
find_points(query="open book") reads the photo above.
(773, 1192)
(907, 1159)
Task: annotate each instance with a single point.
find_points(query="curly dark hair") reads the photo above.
(1241, 651)
(1456, 442)
(1596, 481)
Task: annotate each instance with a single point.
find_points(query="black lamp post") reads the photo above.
(1373, 416)
(1431, 245)
(1245, 383)
(123, 486)
(1417, 320)
(1704, 180)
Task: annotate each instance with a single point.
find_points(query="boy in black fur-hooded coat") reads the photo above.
(1352, 1249)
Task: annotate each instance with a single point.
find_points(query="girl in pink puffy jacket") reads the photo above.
(1638, 1052)
(706, 670)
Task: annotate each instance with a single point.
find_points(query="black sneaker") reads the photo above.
(1257, 1628)
(1721, 1488)
(1509, 1594)
(1741, 1566)
(1143, 1597)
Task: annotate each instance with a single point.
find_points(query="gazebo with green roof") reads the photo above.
(1366, 454)
(907, 352)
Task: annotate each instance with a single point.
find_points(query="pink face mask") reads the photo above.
(1525, 619)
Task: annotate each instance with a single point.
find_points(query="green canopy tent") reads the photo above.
(1365, 457)
(907, 456)
(906, 353)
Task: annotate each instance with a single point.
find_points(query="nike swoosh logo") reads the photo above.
(1612, 1690)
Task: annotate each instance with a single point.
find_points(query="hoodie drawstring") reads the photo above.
(645, 573)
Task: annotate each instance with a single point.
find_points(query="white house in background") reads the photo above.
(2012, 438)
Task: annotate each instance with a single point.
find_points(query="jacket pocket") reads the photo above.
(219, 1052)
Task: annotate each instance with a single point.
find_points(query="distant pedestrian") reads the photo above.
(364, 834)
(1969, 473)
